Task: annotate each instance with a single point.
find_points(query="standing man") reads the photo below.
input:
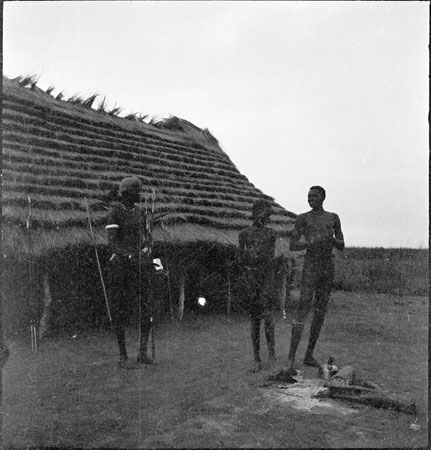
(129, 269)
(256, 258)
(321, 232)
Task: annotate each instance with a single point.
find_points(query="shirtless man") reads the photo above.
(256, 258)
(318, 232)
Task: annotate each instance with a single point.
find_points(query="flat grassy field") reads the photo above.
(200, 395)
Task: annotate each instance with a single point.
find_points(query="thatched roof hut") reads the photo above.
(59, 155)
(62, 152)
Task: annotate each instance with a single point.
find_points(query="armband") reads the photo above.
(157, 264)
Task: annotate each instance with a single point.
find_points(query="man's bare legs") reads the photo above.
(322, 298)
(297, 329)
(255, 339)
(315, 328)
(144, 334)
(268, 318)
(270, 336)
(303, 309)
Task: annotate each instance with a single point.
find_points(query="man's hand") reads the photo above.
(338, 244)
(139, 257)
(321, 242)
(321, 237)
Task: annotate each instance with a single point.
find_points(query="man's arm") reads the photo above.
(295, 245)
(113, 233)
(284, 233)
(338, 234)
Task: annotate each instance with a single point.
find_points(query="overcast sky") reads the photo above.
(297, 93)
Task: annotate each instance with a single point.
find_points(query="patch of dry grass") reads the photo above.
(199, 394)
(391, 270)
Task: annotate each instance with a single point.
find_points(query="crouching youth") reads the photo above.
(129, 269)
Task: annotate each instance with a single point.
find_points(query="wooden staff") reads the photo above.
(98, 262)
(149, 245)
(33, 333)
(150, 300)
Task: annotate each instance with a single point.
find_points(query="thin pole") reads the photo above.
(182, 281)
(33, 334)
(149, 239)
(140, 266)
(229, 299)
(171, 306)
(151, 299)
(98, 261)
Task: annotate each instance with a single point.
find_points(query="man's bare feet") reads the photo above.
(256, 367)
(144, 359)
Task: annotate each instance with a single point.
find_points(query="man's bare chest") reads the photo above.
(318, 224)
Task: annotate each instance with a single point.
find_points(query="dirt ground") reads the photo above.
(200, 395)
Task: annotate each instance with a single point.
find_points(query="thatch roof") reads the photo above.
(61, 152)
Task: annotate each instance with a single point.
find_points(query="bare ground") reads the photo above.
(199, 395)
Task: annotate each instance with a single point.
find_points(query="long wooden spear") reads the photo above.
(149, 237)
(98, 262)
(33, 332)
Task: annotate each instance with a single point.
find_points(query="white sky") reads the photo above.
(297, 93)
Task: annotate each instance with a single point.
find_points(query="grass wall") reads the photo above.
(78, 300)
(397, 271)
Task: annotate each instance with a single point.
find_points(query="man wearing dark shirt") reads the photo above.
(129, 268)
(256, 257)
(317, 232)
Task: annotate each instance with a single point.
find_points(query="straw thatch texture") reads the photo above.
(61, 152)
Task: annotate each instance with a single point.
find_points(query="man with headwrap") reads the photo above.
(317, 232)
(129, 269)
(256, 258)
